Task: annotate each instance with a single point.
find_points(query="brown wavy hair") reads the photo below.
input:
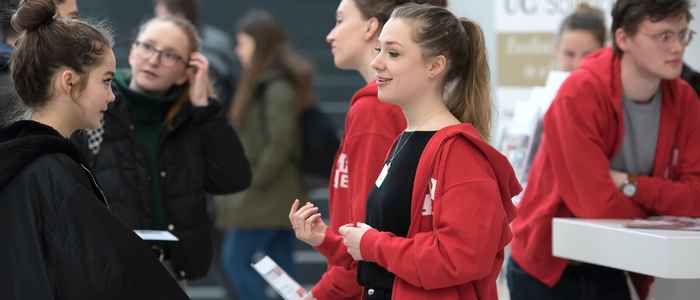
(272, 52)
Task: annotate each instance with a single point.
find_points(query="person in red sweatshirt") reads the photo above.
(370, 128)
(621, 140)
(437, 217)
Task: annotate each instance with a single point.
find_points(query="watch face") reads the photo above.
(629, 190)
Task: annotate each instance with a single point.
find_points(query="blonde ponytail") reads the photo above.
(470, 99)
(461, 41)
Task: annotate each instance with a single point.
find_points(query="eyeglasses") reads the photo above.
(167, 58)
(667, 38)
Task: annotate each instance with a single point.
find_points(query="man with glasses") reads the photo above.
(621, 140)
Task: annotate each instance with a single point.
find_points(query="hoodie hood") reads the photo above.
(508, 183)
(604, 65)
(24, 141)
(369, 90)
(505, 175)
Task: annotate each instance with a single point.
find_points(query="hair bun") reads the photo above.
(32, 14)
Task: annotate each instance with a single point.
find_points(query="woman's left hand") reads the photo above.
(352, 235)
(199, 79)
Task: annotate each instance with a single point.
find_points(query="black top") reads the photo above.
(60, 240)
(389, 205)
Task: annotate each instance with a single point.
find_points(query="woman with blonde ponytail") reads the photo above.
(470, 99)
(438, 215)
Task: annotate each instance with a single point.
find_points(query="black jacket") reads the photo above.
(60, 240)
(199, 154)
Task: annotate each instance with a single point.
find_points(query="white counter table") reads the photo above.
(669, 254)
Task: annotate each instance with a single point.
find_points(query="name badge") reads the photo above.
(382, 175)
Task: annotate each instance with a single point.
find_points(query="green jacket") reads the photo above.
(271, 137)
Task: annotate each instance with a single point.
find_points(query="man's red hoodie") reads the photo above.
(570, 177)
(460, 213)
(370, 129)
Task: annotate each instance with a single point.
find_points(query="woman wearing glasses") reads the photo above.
(165, 144)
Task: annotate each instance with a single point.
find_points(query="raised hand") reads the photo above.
(307, 223)
(199, 79)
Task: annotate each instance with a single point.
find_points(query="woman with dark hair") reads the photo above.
(61, 240)
(370, 128)
(581, 33)
(165, 145)
(274, 89)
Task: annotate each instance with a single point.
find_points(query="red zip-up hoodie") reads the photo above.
(460, 213)
(570, 177)
(370, 129)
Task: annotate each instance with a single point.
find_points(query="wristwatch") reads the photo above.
(629, 186)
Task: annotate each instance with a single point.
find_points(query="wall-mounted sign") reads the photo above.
(524, 59)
